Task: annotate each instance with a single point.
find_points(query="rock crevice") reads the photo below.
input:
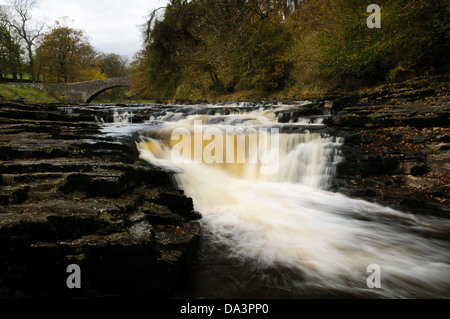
(69, 195)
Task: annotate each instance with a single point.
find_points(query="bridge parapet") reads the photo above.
(85, 92)
(79, 92)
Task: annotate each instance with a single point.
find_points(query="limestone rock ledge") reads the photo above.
(397, 147)
(69, 195)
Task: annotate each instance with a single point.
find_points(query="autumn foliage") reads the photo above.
(31, 50)
(65, 55)
(211, 48)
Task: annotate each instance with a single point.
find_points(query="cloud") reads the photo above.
(111, 25)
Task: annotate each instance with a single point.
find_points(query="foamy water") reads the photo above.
(288, 219)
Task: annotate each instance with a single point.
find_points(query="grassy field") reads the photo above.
(34, 96)
(24, 76)
(29, 96)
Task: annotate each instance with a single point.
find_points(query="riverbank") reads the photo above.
(397, 146)
(397, 139)
(28, 95)
(435, 83)
(70, 195)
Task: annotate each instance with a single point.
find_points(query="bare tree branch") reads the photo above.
(19, 19)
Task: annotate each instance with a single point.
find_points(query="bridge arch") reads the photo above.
(93, 96)
(85, 92)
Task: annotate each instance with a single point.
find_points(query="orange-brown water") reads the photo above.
(283, 227)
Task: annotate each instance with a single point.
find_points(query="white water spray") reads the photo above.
(288, 218)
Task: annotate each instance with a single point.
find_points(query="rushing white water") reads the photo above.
(288, 218)
(125, 117)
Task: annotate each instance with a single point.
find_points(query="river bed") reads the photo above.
(272, 227)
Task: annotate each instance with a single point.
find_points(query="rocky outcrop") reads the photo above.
(70, 195)
(397, 146)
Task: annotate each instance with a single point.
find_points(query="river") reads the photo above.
(272, 226)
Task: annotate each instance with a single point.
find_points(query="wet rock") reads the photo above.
(176, 201)
(328, 105)
(13, 194)
(443, 138)
(393, 148)
(107, 186)
(19, 227)
(294, 114)
(191, 215)
(420, 170)
(69, 195)
(420, 182)
(439, 163)
(157, 214)
(180, 238)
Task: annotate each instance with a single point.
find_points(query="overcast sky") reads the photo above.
(111, 25)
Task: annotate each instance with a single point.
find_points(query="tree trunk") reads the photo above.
(286, 9)
(218, 85)
(31, 57)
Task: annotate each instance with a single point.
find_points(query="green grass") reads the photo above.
(24, 76)
(30, 96)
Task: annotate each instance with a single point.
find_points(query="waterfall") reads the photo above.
(284, 217)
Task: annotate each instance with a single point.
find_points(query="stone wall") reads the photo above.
(80, 92)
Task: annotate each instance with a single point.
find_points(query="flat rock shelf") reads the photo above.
(71, 195)
(76, 192)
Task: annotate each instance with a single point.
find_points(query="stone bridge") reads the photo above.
(79, 92)
(85, 92)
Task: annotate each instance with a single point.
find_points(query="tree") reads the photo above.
(159, 70)
(214, 47)
(65, 55)
(413, 38)
(113, 65)
(207, 48)
(20, 20)
(10, 53)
